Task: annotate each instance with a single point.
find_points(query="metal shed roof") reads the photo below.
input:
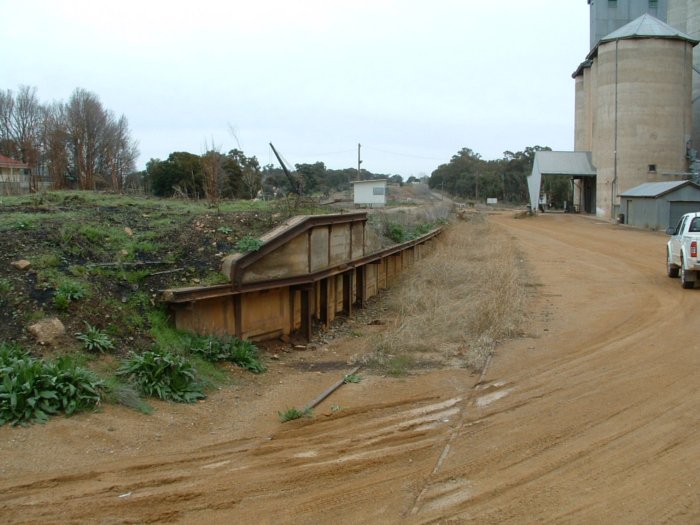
(657, 189)
(368, 181)
(646, 26)
(565, 163)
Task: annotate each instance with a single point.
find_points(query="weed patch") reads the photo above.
(242, 353)
(93, 339)
(294, 413)
(456, 304)
(163, 375)
(32, 389)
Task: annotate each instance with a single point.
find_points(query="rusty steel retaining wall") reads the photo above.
(309, 269)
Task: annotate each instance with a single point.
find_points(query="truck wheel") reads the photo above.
(671, 270)
(685, 283)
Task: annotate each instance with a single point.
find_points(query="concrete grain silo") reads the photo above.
(640, 107)
(685, 16)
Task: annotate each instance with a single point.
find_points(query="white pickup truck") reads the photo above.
(682, 250)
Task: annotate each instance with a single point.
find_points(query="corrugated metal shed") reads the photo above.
(658, 205)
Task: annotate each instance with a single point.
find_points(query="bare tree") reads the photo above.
(55, 141)
(118, 152)
(20, 128)
(100, 145)
(86, 120)
(212, 167)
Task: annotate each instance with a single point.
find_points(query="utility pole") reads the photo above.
(359, 162)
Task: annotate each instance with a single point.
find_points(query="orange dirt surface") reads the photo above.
(591, 417)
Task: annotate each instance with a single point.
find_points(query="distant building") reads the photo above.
(14, 176)
(371, 193)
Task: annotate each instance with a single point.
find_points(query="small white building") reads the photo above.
(371, 193)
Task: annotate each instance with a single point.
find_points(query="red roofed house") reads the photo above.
(14, 176)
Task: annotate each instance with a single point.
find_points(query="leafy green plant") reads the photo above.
(397, 233)
(163, 375)
(352, 378)
(77, 388)
(225, 230)
(67, 292)
(32, 389)
(248, 243)
(94, 339)
(294, 413)
(239, 352)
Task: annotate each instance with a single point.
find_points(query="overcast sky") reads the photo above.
(413, 81)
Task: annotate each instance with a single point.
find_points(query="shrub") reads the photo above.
(163, 375)
(242, 353)
(397, 233)
(94, 339)
(248, 243)
(294, 413)
(32, 389)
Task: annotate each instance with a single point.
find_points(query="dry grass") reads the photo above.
(455, 305)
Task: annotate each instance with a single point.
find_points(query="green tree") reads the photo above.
(242, 175)
(181, 172)
(312, 176)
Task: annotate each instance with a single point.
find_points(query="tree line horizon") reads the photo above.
(80, 144)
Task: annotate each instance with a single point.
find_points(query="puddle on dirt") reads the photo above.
(493, 396)
(307, 454)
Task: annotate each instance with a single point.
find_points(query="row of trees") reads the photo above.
(75, 143)
(214, 175)
(469, 176)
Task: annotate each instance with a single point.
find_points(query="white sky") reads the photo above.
(414, 81)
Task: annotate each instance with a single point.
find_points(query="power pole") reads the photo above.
(359, 162)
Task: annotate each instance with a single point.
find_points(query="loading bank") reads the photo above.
(307, 271)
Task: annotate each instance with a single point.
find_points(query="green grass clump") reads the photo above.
(294, 413)
(163, 375)
(126, 394)
(94, 339)
(239, 352)
(68, 291)
(352, 378)
(33, 389)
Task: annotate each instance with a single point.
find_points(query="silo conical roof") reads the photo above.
(646, 26)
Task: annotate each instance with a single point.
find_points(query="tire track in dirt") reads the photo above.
(602, 398)
(590, 418)
(306, 456)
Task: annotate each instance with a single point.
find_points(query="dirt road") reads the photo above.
(592, 417)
